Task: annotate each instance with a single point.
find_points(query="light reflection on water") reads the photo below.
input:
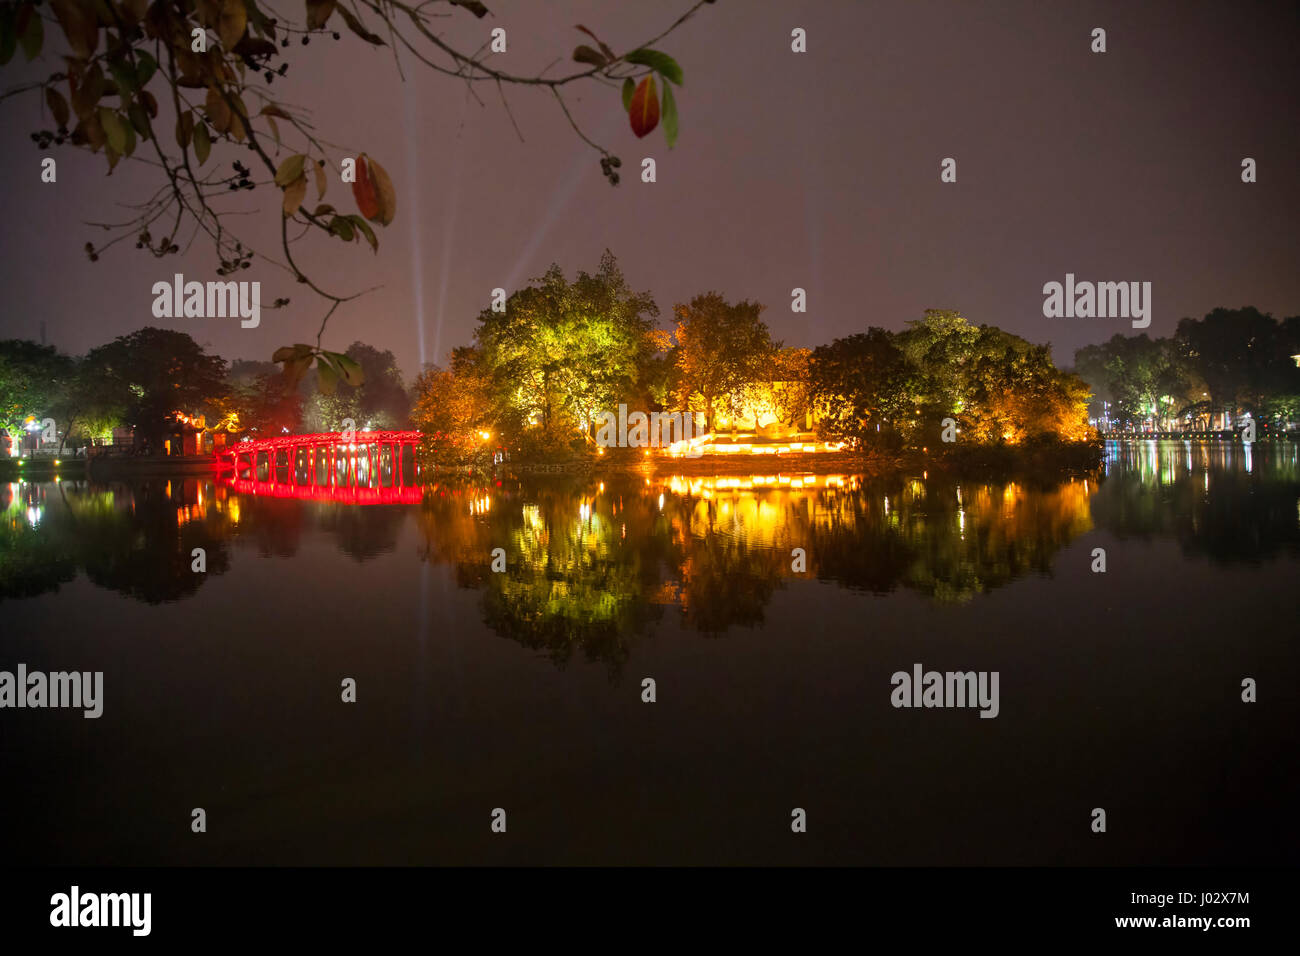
(225, 684)
(600, 553)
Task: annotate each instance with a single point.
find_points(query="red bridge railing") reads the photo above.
(370, 468)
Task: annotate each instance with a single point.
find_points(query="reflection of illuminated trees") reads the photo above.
(1203, 496)
(989, 536)
(31, 561)
(579, 566)
(135, 541)
(587, 569)
(144, 550)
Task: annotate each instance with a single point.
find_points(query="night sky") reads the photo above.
(818, 170)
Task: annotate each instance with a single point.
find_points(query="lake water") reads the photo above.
(522, 690)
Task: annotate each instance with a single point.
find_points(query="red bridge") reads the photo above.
(369, 468)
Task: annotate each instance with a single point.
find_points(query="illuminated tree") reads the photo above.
(153, 373)
(562, 351)
(858, 385)
(721, 348)
(454, 408)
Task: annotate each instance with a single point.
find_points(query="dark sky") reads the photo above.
(818, 170)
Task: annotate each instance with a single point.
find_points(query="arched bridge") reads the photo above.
(368, 468)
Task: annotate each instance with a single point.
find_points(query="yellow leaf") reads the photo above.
(231, 23)
(217, 110)
(290, 170)
(319, 170)
(294, 194)
(384, 193)
(318, 11)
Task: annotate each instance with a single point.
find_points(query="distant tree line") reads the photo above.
(143, 380)
(1232, 362)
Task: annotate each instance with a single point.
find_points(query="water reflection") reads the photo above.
(589, 565)
(1229, 502)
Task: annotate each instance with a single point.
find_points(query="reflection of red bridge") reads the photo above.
(371, 468)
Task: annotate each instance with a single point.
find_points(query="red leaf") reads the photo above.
(363, 190)
(644, 111)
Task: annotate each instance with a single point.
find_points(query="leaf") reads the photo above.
(324, 209)
(473, 6)
(124, 75)
(290, 170)
(238, 117)
(644, 111)
(364, 228)
(275, 128)
(341, 226)
(114, 129)
(294, 194)
(139, 119)
(318, 12)
(286, 352)
(58, 105)
(217, 110)
(355, 26)
(113, 157)
(384, 193)
(327, 377)
(92, 130)
(670, 116)
(609, 54)
(628, 88)
(231, 23)
(350, 370)
(150, 103)
(295, 369)
(134, 10)
(31, 33)
(363, 190)
(185, 129)
(202, 142)
(270, 109)
(145, 67)
(585, 54)
(85, 98)
(79, 26)
(661, 63)
(319, 170)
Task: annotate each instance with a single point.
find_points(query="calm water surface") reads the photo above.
(522, 690)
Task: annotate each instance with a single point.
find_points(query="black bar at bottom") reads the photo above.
(333, 905)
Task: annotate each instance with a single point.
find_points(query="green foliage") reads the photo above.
(1238, 359)
(152, 374)
(34, 380)
(563, 351)
(858, 387)
(721, 348)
